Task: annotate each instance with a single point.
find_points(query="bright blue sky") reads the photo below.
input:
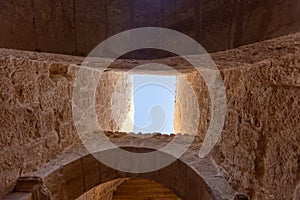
(154, 98)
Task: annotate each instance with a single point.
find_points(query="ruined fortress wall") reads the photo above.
(36, 109)
(35, 115)
(259, 148)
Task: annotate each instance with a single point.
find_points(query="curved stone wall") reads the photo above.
(75, 173)
(36, 109)
(259, 149)
(77, 26)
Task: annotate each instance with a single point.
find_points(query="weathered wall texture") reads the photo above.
(114, 99)
(103, 191)
(35, 114)
(192, 105)
(36, 110)
(141, 189)
(77, 26)
(124, 189)
(259, 149)
(188, 178)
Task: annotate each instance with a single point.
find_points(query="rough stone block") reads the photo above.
(73, 177)
(91, 169)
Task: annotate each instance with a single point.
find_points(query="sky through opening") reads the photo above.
(154, 103)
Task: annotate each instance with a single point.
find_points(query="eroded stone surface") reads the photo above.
(258, 152)
(104, 191)
(259, 149)
(176, 176)
(141, 189)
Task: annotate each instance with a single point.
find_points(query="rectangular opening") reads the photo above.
(154, 103)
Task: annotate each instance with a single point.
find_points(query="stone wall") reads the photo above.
(35, 114)
(192, 105)
(136, 188)
(259, 149)
(141, 189)
(103, 191)
(114, 98)
(77, 26)
(36, 111)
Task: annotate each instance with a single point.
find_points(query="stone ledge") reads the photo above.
(29, 188)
